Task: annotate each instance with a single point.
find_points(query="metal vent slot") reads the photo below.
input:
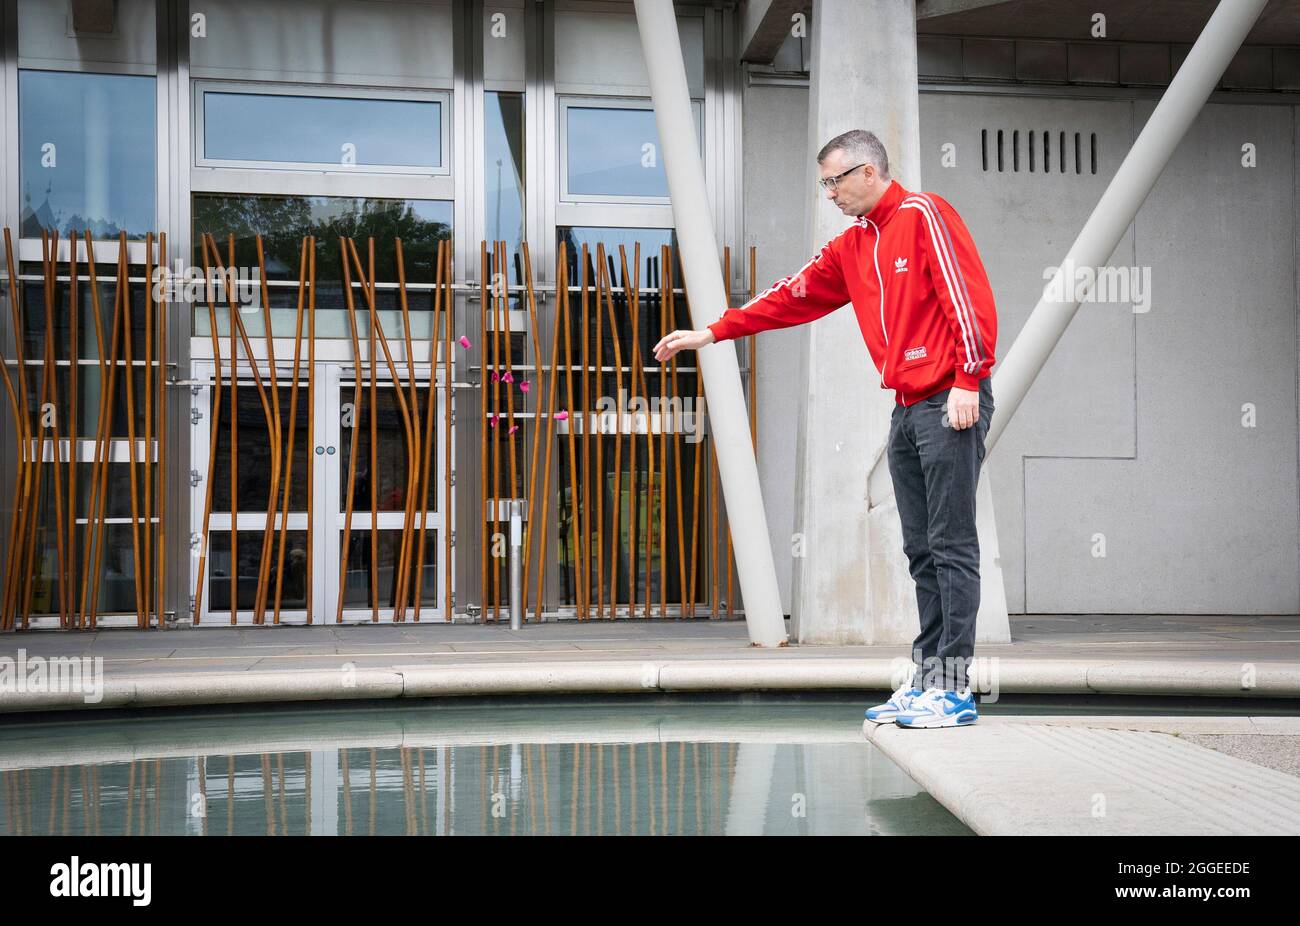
(1062, 146)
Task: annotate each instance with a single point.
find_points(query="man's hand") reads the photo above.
(963, 408)
(682, 340)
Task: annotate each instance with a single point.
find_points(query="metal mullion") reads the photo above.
(326, 553)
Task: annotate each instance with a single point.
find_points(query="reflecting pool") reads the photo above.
(535, 767)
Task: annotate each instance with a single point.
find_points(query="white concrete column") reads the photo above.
(864, 76)
(728, 417)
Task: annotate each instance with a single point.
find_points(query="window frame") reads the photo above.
(200, 87)
(565, 102)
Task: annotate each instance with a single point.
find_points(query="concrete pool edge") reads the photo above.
(1035, 776)
(172, 688)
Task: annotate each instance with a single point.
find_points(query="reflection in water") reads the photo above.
(502, 785)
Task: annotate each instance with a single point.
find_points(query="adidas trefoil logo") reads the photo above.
(900, 265)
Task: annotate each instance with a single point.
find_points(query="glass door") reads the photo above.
(381, 530)
(295, 572)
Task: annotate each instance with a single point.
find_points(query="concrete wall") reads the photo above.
(1131, 440)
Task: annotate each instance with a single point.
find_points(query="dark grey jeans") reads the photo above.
(935, 469)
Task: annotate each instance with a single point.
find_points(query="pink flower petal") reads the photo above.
(523, 386)
(492, 419)
(513, 429)
(496, 377)
(561, 416)
(506, 377)
(464, 342)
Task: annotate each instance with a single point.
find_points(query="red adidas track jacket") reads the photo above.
(918, 288)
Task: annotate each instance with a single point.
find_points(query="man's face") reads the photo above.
(857, 192)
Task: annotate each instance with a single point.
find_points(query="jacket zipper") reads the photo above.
(880, 286)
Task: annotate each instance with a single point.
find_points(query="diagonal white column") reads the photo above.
(727, 415)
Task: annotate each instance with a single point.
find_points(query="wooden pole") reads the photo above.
(311, 422)
(105, 448)
(237, 324)
(665, 407)
(378, 330)
(509, 374)
(600, 431)
(293, 430)
(19, 406)
(631, 300)
(356, 425)
(374, 436)
(52, 375)
(124, 271)
(30, 566)
(234, 434)
(69, 609)
(579, 514)
(423, 489)
(274, 431)
(483, 421)
(561, 304)
(618, 436)
(668, 284)
(149, 462)
(449, 330)
(214, 433)
(585, 413)
(88, 564)
(413, 466)
(700, 454)
(161, 479)
(537, 424)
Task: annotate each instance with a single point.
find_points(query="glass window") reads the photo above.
(650, 239)
(283, 221)
(87, 158)
(653, 317)
(503, 170)
(615, 152)
(342, 131)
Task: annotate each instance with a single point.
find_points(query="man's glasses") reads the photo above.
(832, 183)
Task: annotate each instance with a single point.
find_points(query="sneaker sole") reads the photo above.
(932, 723)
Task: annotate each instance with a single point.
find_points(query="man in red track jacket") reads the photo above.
(924, 305)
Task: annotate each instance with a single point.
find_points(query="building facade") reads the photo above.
(1154, 467)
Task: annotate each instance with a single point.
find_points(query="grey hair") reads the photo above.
(861, 147)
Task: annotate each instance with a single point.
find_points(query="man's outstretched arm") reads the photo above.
(817, 289)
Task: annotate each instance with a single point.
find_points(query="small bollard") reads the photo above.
(516, 563)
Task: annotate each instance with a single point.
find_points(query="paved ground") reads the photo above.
(1267, 640)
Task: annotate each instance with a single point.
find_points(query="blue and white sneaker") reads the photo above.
(940, 708)
(898, 702)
